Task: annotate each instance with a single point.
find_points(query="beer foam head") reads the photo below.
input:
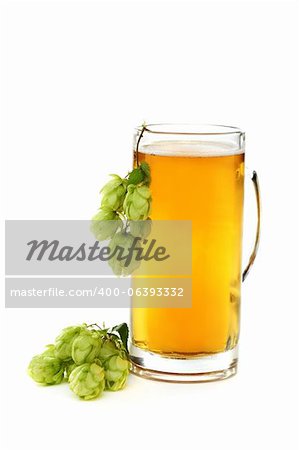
(191, 148)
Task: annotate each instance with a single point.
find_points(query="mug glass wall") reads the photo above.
(197, 174)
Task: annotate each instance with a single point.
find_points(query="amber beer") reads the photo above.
(202, 182)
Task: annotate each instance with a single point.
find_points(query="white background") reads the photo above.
(77, 77)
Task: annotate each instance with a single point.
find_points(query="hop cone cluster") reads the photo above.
(125, 206)
(91, 359)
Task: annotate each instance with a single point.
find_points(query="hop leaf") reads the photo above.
(87, 380)
(64, 342)
(137, 202)
(116, 372)
(113, 193)
(136, 176)
(146, 171)
(123, 331)
(105, 224)
(86, 347)
(45, 369)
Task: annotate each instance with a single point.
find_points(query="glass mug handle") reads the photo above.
(255, 181)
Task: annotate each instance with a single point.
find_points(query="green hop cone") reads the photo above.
(124, 241)
(113, 193)
(87, 380)
(86, 347)
(50, 350)
(137, 204)
(116, 372)
(110, 347)
(64, 342)
(105, 224)
(140, 228)
(45, 369)
(69, 367)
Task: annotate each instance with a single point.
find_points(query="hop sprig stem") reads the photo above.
(138, 142)
(125, 200)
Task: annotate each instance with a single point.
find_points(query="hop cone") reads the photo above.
(116, 372)
(140, 228)
(50, 350)
(113, 193)
(119, 266)
(87, 381)
(46, 369)
(86, 347)
(64, 342)
(69, 367)
(109, 348)
(105, 224)
(137, 202)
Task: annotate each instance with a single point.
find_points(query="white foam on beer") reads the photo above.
(191, 149)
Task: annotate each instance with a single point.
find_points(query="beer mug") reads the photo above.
(197, 174)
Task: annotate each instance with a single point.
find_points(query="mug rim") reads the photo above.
(196, 129)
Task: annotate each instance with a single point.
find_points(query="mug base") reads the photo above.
(195, 369)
